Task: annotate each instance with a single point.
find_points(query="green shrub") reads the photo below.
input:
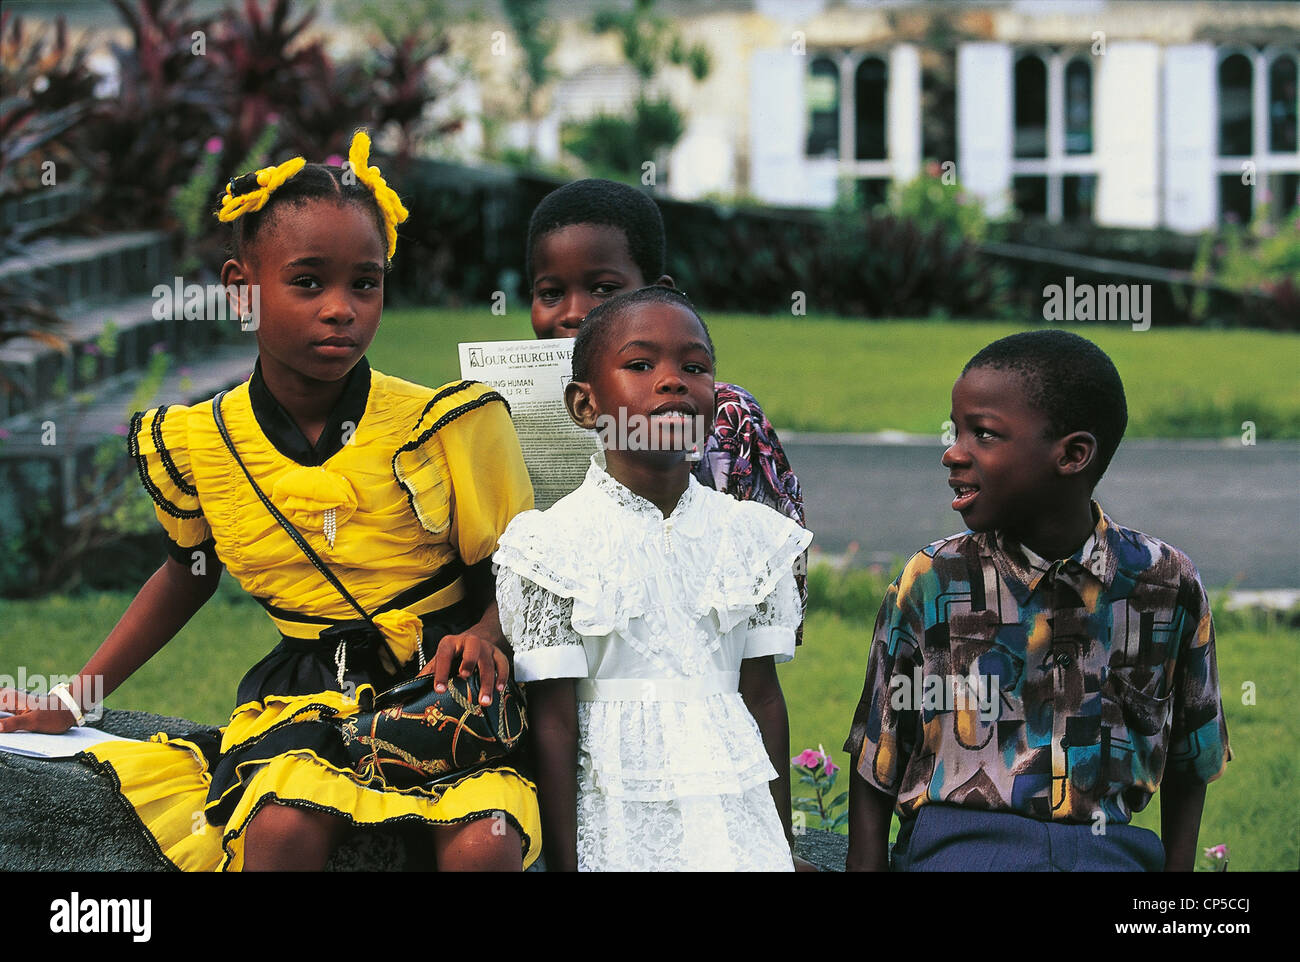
(616, 147)
(930, 202)
(1264, 259)
(853, 594)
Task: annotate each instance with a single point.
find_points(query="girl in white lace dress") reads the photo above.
(647, 613)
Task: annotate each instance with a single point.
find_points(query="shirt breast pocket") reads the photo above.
(987, 668)
(1145, 630)
(982, 647)
(1141, 697)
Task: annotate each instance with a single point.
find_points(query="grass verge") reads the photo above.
(827, 374)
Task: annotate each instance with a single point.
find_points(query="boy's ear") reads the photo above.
(578, 402)
(1078, 451)
(665, 281)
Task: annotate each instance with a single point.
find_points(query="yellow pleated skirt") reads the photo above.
(168, 781)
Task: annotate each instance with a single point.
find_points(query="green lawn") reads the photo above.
(822, 374)
(1251, 808)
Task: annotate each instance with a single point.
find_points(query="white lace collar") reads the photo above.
(623, 496)
(611, 551)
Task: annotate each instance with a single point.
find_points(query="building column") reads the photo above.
(984, 122)
(777, 121)
(1191, 121)
(903, 112)
(1127, 126)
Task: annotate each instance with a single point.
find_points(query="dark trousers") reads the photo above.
(946, 838)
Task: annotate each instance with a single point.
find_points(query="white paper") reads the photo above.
(531, 376)
(38, 745)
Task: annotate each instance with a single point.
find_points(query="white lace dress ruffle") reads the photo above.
(654, 616)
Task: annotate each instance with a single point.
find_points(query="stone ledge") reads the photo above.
(60, 815)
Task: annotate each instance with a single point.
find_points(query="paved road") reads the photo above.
(1234, 509)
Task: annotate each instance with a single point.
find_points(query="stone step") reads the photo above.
(83, 270)
(103, 341)
(66, 435)
(43, 208)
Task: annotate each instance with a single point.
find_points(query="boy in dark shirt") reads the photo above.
(1033, 681)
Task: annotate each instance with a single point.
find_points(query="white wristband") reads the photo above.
(64, 694)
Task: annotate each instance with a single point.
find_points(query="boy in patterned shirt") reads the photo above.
(1033, 681)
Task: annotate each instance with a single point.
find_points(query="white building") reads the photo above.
(1175, 115)
(1121, 112)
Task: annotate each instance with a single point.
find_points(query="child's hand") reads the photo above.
(472, 651)
(31, 714)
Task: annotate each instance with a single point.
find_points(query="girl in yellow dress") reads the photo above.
(402, 490)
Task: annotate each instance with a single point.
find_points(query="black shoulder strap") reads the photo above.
(293, 532)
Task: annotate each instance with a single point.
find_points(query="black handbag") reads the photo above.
(413, 734)
(410, 734)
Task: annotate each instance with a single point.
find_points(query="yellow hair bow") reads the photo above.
(390, 205)
(268, 180)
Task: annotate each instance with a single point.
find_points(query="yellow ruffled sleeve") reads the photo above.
(158, 441)
(463, 470)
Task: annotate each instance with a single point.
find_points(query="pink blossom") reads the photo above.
(334, 160)
(120, 430)
(1217, 851)
(213, 146)
(809, 759)
(4, 435)
(830, 769)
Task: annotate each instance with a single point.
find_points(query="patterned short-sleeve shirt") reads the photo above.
(1001, 681)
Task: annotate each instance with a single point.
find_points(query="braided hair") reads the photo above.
(251, 200)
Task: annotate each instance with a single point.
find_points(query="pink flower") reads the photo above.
(1217, 852)
(814, 759)
(120, 430)
(213, 146)
(4, 435)
(809, 759)
(334, 160)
